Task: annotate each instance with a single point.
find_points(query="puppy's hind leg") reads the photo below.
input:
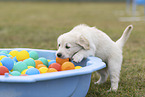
(114, 67)
(103, 76)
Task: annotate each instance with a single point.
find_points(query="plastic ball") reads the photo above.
(40, 65)
(43, 69)
(50, 62)
(20, 66)
(37, 62)
(9, 55)
(3, 70)
(24, 71)
(78, 67)
(4, 52)
(44, 60)
(23, 75)
(56, 66)
(34, 55)
(13, 53)
(22, 55)
(11, 70)
(30, 62)
(15, 73)
(15, 59)
(8, 62)
(51, 70)
(32, 71)
(67, 66)
(30, 67)
(61, 61)
(2, 56)
(1, 64)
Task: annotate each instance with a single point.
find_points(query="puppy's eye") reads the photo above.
(59, 45)
(67, 47)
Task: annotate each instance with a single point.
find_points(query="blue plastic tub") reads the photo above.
(71, 83)
(140, 2)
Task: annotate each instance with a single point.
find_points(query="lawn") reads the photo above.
(38, 24)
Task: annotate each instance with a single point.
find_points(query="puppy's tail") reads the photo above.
(121, 41)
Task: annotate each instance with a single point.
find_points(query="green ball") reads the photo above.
(20, 66)
(4, 52)
(44, 61)
(30, 62)
(15, 73)
(34, 55)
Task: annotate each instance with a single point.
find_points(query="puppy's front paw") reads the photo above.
(112, 90)
(77, 58)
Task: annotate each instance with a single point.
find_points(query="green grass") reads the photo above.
(38, 24)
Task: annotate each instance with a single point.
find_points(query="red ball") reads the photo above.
(3, 70)
(56, 66)
(23, 75)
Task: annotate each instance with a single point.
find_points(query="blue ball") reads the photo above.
(8, 62)
(1, 53)
(52, 61)
(15, 59)
(32, 71)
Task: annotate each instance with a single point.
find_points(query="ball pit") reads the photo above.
(45, 81)
(23, 63)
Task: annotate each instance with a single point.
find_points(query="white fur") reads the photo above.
(84, 41)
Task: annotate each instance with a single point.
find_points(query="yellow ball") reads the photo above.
(13, 53)
(1, 64)
(24, 71)
(48, 60)
(30, 67)
(78, 67)
(1, 57)
(43, 69)
(11, 70)
(22, 55)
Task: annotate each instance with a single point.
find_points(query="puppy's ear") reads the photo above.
(83, 42)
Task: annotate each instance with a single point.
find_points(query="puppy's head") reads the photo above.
(70, 44)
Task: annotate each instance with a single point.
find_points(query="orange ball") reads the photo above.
(56, 66)
(40, 65)
(51, 70)
(67, 66)
(37, 62)
(61, 61)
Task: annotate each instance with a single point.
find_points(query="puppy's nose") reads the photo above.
(59, 54)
